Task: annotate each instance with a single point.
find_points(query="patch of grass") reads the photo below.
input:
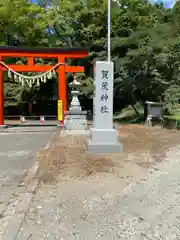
(172, 117)
(172, 121)
(128, 115)
(134, 118)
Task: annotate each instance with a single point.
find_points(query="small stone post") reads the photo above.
(104, 139)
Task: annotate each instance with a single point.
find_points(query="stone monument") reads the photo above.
(75, 118)
(103, 138)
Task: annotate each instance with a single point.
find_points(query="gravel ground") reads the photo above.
(135, 199)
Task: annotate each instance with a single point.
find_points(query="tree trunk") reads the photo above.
(136, 111)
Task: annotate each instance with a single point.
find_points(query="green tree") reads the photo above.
(21, 24)
(144, 43)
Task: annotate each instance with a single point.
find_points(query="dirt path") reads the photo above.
(143, 147)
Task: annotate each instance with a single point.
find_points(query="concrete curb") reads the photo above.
(65, 132)
(24, 200)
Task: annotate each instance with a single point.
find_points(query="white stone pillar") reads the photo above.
(104, 139)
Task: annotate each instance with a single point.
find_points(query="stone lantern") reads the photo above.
(75, 118)
(75, 91)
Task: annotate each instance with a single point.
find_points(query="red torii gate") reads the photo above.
(30, 53)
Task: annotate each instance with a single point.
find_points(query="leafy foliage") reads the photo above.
(144, 45)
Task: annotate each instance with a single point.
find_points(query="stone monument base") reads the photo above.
(104, 141)
(75, 120)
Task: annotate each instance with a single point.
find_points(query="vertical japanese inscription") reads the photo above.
(104, 91)
(103, 99)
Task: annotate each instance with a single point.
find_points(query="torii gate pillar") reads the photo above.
(1, 96)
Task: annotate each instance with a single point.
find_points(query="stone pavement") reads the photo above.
(18, 151)
(97, 209)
